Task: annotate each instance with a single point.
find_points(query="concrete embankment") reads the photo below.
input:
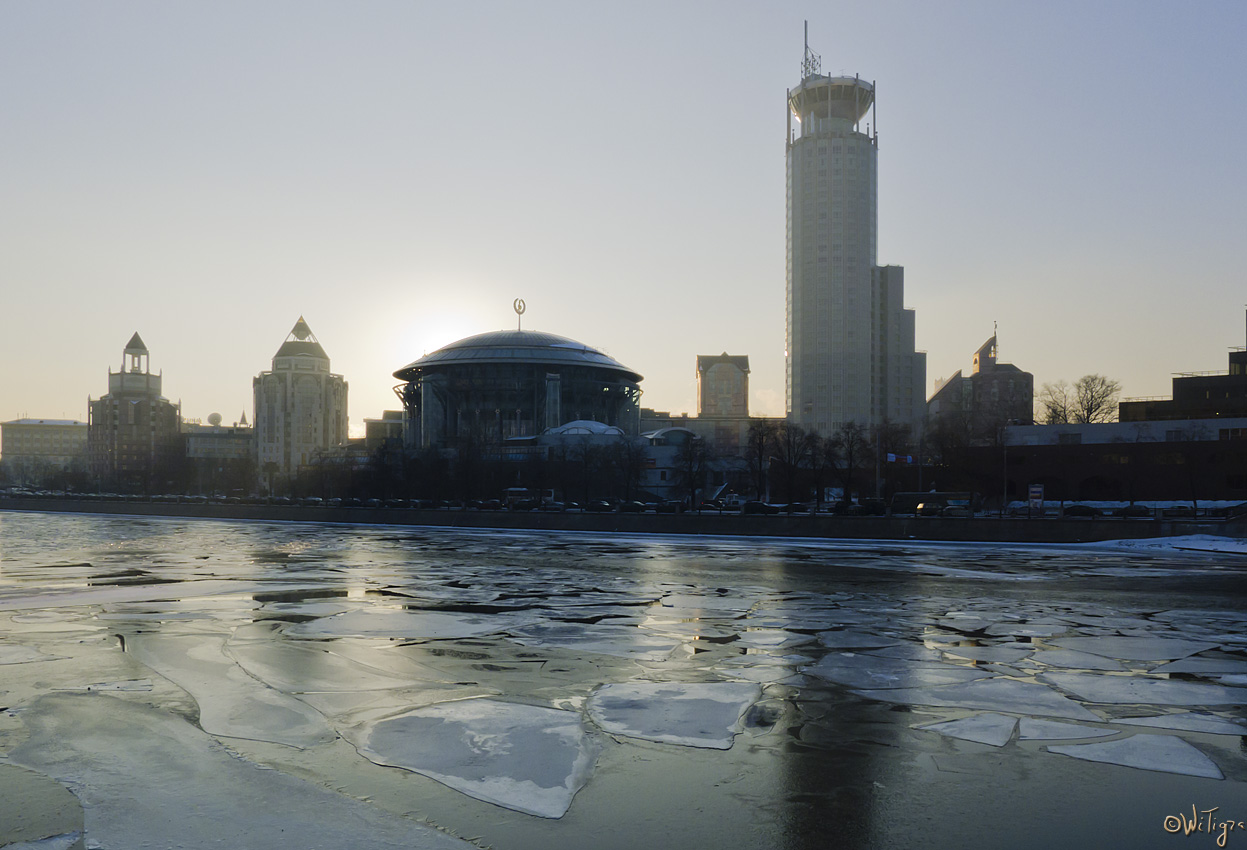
(950, 529)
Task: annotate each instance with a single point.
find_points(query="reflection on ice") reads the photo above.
(1149, 752)
(150, 779)
(693, 715)
(522, 757)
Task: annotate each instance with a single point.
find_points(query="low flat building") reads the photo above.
(32, 448)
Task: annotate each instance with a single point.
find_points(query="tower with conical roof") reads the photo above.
(133, 432)
(300, 406)
(850, 342)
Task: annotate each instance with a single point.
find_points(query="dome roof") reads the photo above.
(522, 347)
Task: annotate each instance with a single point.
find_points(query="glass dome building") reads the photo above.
(505, 384)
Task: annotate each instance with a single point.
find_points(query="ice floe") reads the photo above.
(401, 623)
(995, 694)
(147, 778)
(694, 715)
(1003, 654)
(524, 757)
(1163, 753)
(1135, 648)
(1105, 688)
(1188, 721)
(231, 703)
(10, 654)
(871, 671)
(849, 639)
(1033, 729)
(1203, 665)
(1076, 660)
(622, 641)
(992, 729)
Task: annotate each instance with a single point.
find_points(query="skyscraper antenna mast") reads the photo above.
(811, 62)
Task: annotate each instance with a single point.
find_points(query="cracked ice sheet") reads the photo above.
(1188, 721)
(1135, 648)
(1097, 687)
(849, 639)
(1076, 660)
(1163, 753)
(522, 757)
(618, 641)
(1030, 729)
(869, 671)
(1002, 654)
(231, 703)
(150, 779)
(1203, 665)
(172, 591)
(24, 654)
(693, 715)
(401, 623)
(772, 638)
(296, 667)
(995, 694)
(992, 729)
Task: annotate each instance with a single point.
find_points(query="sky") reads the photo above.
(399, 172)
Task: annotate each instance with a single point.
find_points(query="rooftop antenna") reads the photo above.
(811, 62)
(518, 306)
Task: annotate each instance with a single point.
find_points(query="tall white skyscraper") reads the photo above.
(850, 354)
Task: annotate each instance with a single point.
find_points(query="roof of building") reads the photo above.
(44, 422)
(301, 342)
(533, 347)
(585, 427)
(705, 361)
(136, 343)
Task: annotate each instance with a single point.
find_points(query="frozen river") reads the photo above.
(206, 684)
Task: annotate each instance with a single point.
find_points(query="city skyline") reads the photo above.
(399, 173)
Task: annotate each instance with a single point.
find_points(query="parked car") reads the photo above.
(670, 506)
(1081, 511)
(1179, 512)
(1134, 512)
(930, 509)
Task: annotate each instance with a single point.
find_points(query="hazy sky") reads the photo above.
(399, 172)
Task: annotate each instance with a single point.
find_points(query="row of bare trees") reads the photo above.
(808, 460)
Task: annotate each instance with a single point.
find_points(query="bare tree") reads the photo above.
(1056, 403)
(1092, 398)
(627, 458)
(757, 450)
(852, 448)
(792, 445)
(691, 463)
(1095, 399)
